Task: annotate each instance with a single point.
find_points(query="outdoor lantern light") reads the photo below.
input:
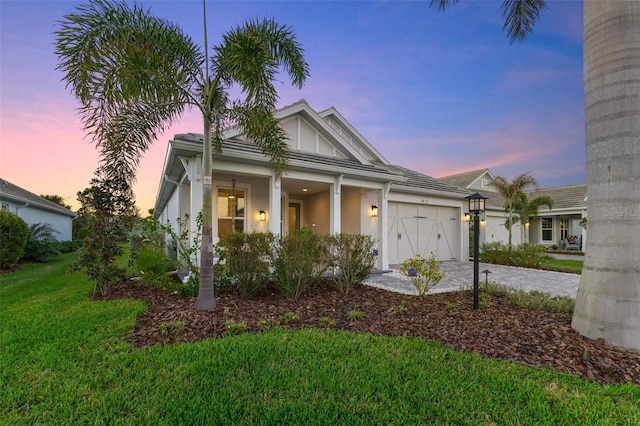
(374, 211)
(263, 216)
(476, 206)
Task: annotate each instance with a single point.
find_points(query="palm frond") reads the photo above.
(130, 71)
(520, 17)
(442, 5)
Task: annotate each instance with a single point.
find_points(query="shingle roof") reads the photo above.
(419, 180)
(13, 192)
(570, 196)
(464, 179)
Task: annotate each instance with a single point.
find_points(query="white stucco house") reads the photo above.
(552, 227)
(34, 209)
(336, 182)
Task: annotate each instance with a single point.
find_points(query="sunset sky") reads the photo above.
(440, 93)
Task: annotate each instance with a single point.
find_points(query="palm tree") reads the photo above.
(527, 209)
(134, 75)
(510, 192)
(608, 300)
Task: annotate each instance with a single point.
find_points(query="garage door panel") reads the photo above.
(419, 229)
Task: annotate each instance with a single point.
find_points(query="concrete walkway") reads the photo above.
(459, 274)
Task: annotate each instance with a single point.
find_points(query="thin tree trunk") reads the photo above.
(608, 300)
(206, 298)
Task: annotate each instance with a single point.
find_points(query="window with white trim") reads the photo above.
(547, 228)
(5, 207)
(231, 205)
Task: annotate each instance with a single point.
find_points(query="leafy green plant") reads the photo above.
(354, 315)
(267, 324)
(534, 300)
(298, 261)
(327, 322)
(400, 309)
(423, 273)
(351, 260)
(152, 265)
(186, 245)
(172, 330)
(247, 257)
(13, 239)
(42, 243)
(289, 318)
(232, 328)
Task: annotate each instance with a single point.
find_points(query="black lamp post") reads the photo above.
(476, 206)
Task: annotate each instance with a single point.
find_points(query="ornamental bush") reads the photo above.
(298, 260)
(525, 255)
(351, 259)
(14, 233)
(247, 258)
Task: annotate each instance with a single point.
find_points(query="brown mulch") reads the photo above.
(497, 330)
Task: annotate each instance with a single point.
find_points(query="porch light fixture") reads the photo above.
(374, 211)
(263, 216)
(467, 217)
(476, 206)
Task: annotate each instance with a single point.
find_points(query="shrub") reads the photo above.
(152, 265)
(13, 239)
(351, 259)
(247, 257)
(535, 300)
(526, 254)
(424, 273)
(298, 260)
(41, 243)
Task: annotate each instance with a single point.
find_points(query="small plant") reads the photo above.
(450, 305)
(485, 300)
(172, 330)
(354, 315)
(233, 328)
(42, 243)
(267, 324)
(289, 318)
(424, 273)
(327, 322)
(400, 309)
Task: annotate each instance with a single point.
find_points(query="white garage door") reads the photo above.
(418, 229)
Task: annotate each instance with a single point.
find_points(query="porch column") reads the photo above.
(383, 226)
(335, 206)
(193, 167)
(275, 211)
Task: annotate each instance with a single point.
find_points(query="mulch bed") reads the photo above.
(497, 330)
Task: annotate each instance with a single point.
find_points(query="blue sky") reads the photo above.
(440, 93)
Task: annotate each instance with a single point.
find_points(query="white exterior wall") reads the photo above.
(32, 215)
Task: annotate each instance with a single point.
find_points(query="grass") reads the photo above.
(64, 359)
(573, 266)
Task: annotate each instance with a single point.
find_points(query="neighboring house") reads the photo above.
(35, 209)
(551, 227)
(558, 225)
(492, 221)
(336, 182)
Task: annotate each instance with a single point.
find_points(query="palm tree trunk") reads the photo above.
(206, 299)
(608, 300)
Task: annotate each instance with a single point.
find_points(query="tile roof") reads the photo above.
(13, 192)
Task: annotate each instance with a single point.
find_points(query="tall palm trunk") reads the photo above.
(206, 300)
(608, 300)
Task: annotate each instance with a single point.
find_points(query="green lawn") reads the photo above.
(64, 359)
(573, 266)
